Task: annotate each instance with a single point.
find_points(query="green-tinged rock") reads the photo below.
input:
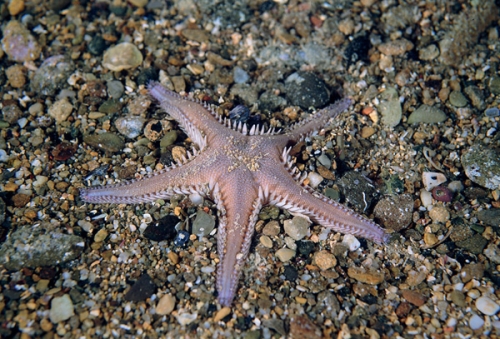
(107, 142)
(29, 247)
(390, 107)
(482, 166)
(457, 99)
(427, 114)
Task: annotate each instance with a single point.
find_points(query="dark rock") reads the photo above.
(162, 230)
(358, 190)
(142, 289)
(306, 90)
(490, 217)
(475, 245)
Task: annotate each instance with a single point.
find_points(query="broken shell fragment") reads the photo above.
(432, 179)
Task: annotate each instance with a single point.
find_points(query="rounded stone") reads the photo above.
(487, 306)
(166, 305)
(285, 254)
(61, 308)
(439, 214)
(325, 260)
(18, 43)
(296, 228)
(122, 56)
(427, 114)
(306, 90)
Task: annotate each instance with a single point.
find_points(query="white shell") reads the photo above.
(432, 179)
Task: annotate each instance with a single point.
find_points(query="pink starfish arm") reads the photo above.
(238, 207)
(191, 177)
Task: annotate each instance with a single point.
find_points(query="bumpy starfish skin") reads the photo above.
(241, 170)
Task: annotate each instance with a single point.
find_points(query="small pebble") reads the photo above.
(366, 277)
(439, 214)
(427, 114)
(285, 254)
(395, 47)
(325, 260)
(101, 235)
(476, 322)
(18, 43)
(165, 305)
(222, 313)
(61, 308)
(266, 241)
(130, 126)
(297, 228)
(203, 224)
(314, 179)
(107, 142)
(351, 242)
(122, 56)
(61, 110)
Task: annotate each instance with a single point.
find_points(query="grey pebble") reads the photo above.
(475, 96)
(52, 75)
(427, 114)
(130, 126)
(115, 89)
(203, 224)
(108, 142)
(457, 99)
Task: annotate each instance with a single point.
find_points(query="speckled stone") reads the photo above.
(395, 211)
(482, 166)
(306, 90)
(297, 228)
(439, 214)
(325, 260)
(107, 142)
(26, 247)
(18, 43)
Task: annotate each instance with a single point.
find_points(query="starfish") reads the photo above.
(241, 169)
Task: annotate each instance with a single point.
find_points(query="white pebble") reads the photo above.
(314, 179)
(426, 198)
(487, 306)
(476, 322)
(61, 308)
(3, 156)
(352, 242)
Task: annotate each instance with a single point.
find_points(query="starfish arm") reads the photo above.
(238, 208)
(187, 178)
(316, 121)
(197, 119)
(292, 195)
